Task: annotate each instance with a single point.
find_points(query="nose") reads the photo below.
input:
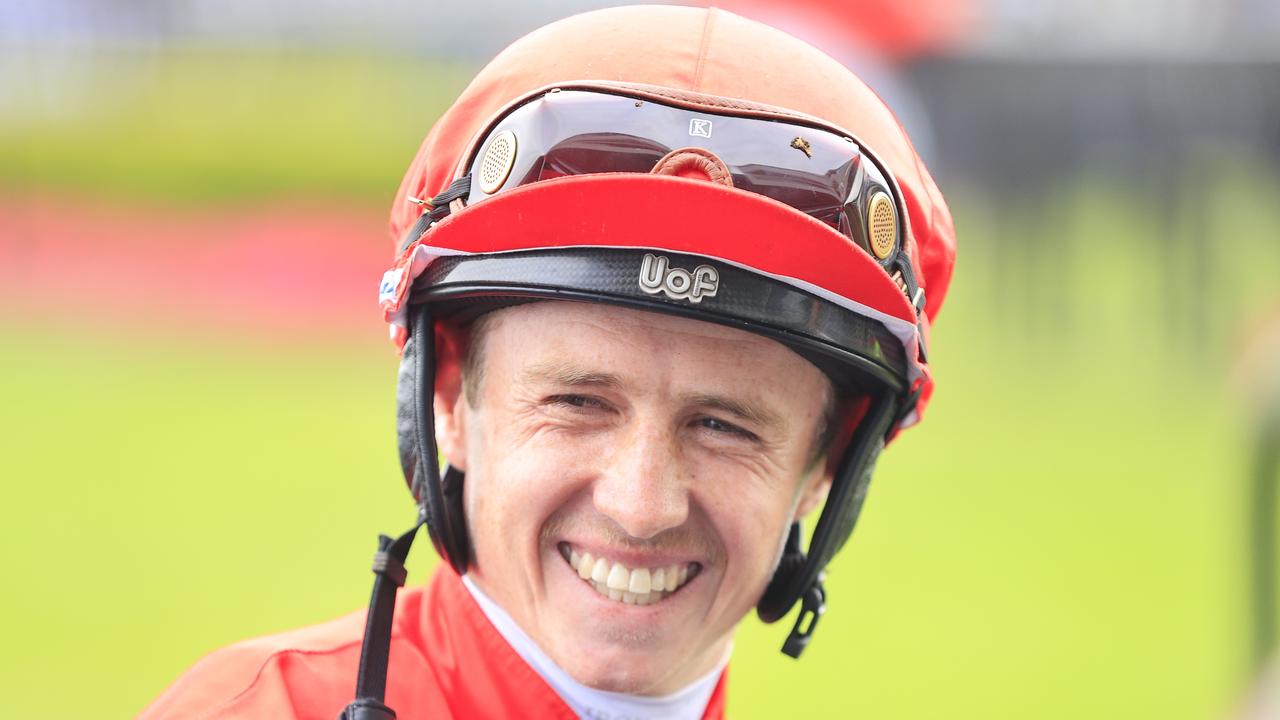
(644, 488)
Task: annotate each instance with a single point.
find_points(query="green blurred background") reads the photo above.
(196, 391)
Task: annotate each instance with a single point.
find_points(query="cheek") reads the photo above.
(752, 523)
(510, 494)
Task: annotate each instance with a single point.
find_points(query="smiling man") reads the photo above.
(630, 477)
(663, 281)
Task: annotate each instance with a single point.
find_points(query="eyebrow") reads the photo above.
(565, 374)
(742, 409)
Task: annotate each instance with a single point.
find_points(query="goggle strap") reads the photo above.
(915, 293)
(420, 226)
(457, 189)
(437, 208)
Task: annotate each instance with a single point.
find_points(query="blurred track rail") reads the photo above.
(282, 270)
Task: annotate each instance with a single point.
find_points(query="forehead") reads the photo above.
(644, 347)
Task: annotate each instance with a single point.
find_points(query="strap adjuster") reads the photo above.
(812, 606)
(457, 189)
(389, 567)
(437, 208)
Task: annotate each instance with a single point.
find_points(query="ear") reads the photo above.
(449, 403)
(814, 492)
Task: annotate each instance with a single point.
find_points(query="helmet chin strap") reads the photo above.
(812, 605)
(799, 576)
(415, 420)
(371, 682)
(439, 498)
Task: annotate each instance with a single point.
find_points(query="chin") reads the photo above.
(616, 668)
(619, 675)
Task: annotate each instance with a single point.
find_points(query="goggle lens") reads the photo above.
(579, 132)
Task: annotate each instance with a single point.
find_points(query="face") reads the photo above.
(630, 478)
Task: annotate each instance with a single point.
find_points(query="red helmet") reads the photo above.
(685, 161)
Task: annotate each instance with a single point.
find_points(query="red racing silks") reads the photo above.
(447, 661)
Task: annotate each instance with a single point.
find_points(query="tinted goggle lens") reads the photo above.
(579, 132)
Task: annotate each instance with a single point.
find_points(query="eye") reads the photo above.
(580, 402)
(718, 426)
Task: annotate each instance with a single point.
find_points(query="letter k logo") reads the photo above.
(700, 127)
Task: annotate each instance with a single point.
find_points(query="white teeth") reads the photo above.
(619, 578)
(600, 572)
(639, 581)
(673, 578)
(642, 586)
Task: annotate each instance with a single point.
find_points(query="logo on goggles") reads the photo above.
(677, 283)
(700, 127)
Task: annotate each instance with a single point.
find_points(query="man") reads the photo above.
(660, 292)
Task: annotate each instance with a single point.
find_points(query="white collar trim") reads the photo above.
(689, 703)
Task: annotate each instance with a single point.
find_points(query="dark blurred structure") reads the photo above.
(1160, 135)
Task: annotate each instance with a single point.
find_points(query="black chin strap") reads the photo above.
(800, 574)
(812, 604)
(371, 683)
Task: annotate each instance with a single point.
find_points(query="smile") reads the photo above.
(638, 586)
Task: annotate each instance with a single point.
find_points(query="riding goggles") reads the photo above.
(824, 174)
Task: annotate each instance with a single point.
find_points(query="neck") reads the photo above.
(688, 703)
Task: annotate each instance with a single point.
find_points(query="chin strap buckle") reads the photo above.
(365, 709)
(812, 605)
(388, 565)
